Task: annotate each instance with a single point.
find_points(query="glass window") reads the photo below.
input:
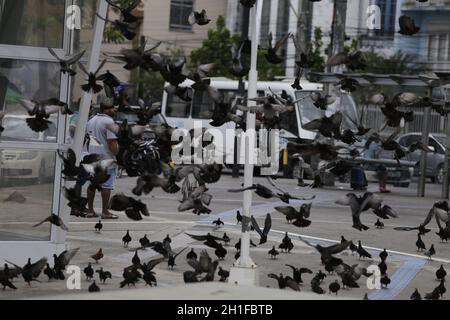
(177, 108)
(83, 36)
(26, 182)
(202, 104)
(432, 46)
(35, 23)
(349, 107)
(308, 112)
(179, 14)
(442, 46)
(31, 80)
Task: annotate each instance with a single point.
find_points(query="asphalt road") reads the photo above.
(407, 268)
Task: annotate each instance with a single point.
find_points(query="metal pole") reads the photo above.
(423, 159)
(86, 99)
(241, 87)
(445, 185)
(244, 270)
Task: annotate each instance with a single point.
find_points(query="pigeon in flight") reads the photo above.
(199, 18)
(92, 78)
(326, 253)
(54, 220)
(265, 232)
(127, 10)
(272, 51)
(407, 26)
(40, 112)
(66, 62)
(359, 204)
(134, 209)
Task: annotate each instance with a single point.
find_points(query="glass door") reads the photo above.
(30, 179)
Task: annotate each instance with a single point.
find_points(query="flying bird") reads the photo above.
(40, 112)
(359, 204)
(127, 10)
(199, 18)
(134, 209)
(265, 232)
(326, 253)
(54, 220)
(407, 26)
(272, 51)
(92, 78)
(66, 62)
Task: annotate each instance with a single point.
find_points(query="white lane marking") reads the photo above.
(336, 241)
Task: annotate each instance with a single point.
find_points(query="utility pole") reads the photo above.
(245, 21)
(338, 29)
(245, 271)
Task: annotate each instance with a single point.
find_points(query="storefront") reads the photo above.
(30, 175)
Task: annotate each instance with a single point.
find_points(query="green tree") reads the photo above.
(399, 63)
(217, 49)
(314, 52)
(111, 35)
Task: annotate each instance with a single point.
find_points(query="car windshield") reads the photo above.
(17, 129)
(306, 108)
(442, 140)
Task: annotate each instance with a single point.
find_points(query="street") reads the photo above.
(407, 268)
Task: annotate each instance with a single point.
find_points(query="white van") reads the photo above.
(182, 114)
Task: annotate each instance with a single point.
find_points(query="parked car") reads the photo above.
(26, 165)
(397, 176)
(435, 159)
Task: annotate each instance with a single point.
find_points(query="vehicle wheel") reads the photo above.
(439, 177)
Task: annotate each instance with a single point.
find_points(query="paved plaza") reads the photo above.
(407, 268)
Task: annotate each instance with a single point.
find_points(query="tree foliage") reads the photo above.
(399, 63)
(217, 49)
(314, 52)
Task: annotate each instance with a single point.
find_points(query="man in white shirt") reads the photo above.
(108, 149)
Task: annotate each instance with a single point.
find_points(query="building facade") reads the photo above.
(432, 43)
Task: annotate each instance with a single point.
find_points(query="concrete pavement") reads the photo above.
(407, 268)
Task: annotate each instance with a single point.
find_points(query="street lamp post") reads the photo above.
(245, 271)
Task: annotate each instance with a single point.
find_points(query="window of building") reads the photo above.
(388, 16)
(442, 47)
(35, 23)
(179, 14)
(432, 46)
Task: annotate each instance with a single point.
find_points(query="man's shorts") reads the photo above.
(109, 184)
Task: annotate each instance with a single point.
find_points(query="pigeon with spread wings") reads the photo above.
(267, 225)
(127, 10)
(359, 204)
(54, 220)
(209, 240)
(272, 51)
(66, 62)
(326, 253)
(440, 211)
(285, 196)
(92, 78)
(40, 112)
(299, 216)
(327, 126)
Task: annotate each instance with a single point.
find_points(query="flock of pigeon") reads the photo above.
(149, 161)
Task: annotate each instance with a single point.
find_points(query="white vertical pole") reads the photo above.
(244, 271)
(93, 63)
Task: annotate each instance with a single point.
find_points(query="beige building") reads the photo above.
(167, 21)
